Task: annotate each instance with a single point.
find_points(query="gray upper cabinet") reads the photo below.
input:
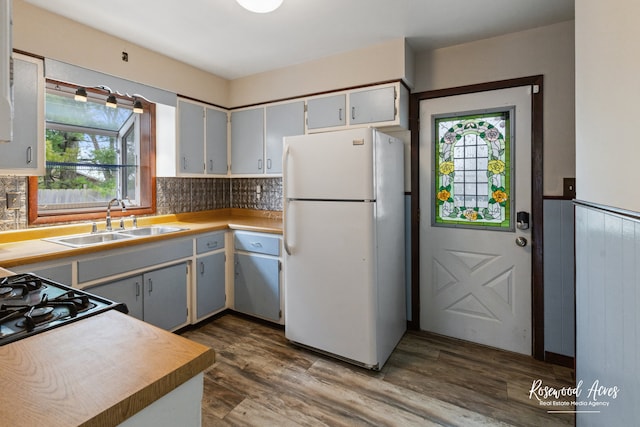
(247, 141)
(282, 120)
(190, 137)
(372, 105)
(326, 111)
(216, 141)
(202, 139)
(24, 155)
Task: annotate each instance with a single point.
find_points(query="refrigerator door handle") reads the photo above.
(285, 243)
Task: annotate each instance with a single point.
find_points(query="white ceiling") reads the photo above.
(221, 37)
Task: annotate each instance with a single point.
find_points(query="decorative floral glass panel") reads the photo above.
(473, 170)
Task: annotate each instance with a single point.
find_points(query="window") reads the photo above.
(473, 170)
(94, 153)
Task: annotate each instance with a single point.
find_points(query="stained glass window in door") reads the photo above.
(473, 169)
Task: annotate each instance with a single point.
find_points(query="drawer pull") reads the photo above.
(256, 244)
(213, 244)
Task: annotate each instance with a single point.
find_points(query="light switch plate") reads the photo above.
(13, 200)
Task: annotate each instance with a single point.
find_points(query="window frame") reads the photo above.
(147, 171)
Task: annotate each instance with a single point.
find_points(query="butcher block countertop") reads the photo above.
(26, 247)
(97, 371)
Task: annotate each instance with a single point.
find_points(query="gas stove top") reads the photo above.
(30, 304)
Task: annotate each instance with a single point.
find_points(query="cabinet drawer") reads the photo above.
(210, 242)
(259, 243)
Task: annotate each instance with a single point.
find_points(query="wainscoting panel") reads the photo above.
(607, 316)
(559, 315)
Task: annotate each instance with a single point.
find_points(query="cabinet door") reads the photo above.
(247, 141)
(371, 106)
(257, 286)
(210, 290)
(24, 151)
(128, 291)
(282, 120)
(190, 137)
(165, 296)
(216, 141)
(327, 111)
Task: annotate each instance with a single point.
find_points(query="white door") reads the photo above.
(475, 175)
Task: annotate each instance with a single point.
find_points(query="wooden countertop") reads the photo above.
(26, 247)
(95, 372)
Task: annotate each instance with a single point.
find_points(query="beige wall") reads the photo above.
(607, 93)
(42, 33)
(547, 50)
(373, 64)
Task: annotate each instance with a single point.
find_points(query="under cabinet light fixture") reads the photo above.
(81, 95)
(111, 101)
(137, 107)
(260, 6)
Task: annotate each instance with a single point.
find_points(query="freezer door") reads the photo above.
(330, 166)
(330, 297)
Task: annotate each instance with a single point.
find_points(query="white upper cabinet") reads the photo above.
(5, 71)
(384, 106)
(24, 155)
(202, 139)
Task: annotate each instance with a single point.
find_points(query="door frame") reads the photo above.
(537, 278)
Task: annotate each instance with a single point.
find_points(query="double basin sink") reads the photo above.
(102, 237)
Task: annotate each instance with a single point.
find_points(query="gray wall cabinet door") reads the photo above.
(165, 296)
(326, 112)
(371, 106)
(282, 120)
(210, 284)
(191, 137)
(22, 151)
(216, 142)
(128, 291)
(257, 286)
(247, 141)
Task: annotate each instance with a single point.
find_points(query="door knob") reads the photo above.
(521, 241)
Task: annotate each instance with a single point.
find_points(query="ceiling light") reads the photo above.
(260, 6)
(137, 107)
(81, 95)
(111, 101)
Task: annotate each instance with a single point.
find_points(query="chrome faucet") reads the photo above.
(124, 209)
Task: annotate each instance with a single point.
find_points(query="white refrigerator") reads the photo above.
(344, 244)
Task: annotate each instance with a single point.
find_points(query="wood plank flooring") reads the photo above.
(260, 379)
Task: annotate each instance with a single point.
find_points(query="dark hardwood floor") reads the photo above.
(260, 379)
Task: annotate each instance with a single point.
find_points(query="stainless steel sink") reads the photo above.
(92, 239)
(83, 240)
(150, 231)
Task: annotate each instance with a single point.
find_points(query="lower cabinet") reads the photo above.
(256, 285)
(210, 284)
(158, 297)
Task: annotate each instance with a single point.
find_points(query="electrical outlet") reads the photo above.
(13, 200)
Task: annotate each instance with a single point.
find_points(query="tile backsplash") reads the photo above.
(173, 195)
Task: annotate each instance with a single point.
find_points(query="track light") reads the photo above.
(81, 95)
(111, 101)
(137, 107)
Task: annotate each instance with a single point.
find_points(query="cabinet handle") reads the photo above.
(259, 164)
(340, 114)
(137, 289)
(210, 164)
(150, 286)
(213, 244)
(353, 113)
(201, 267)
(268, 163)
(184, 163)
(29, 155)
(256, 244)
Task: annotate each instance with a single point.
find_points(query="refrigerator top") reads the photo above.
(331, 166)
